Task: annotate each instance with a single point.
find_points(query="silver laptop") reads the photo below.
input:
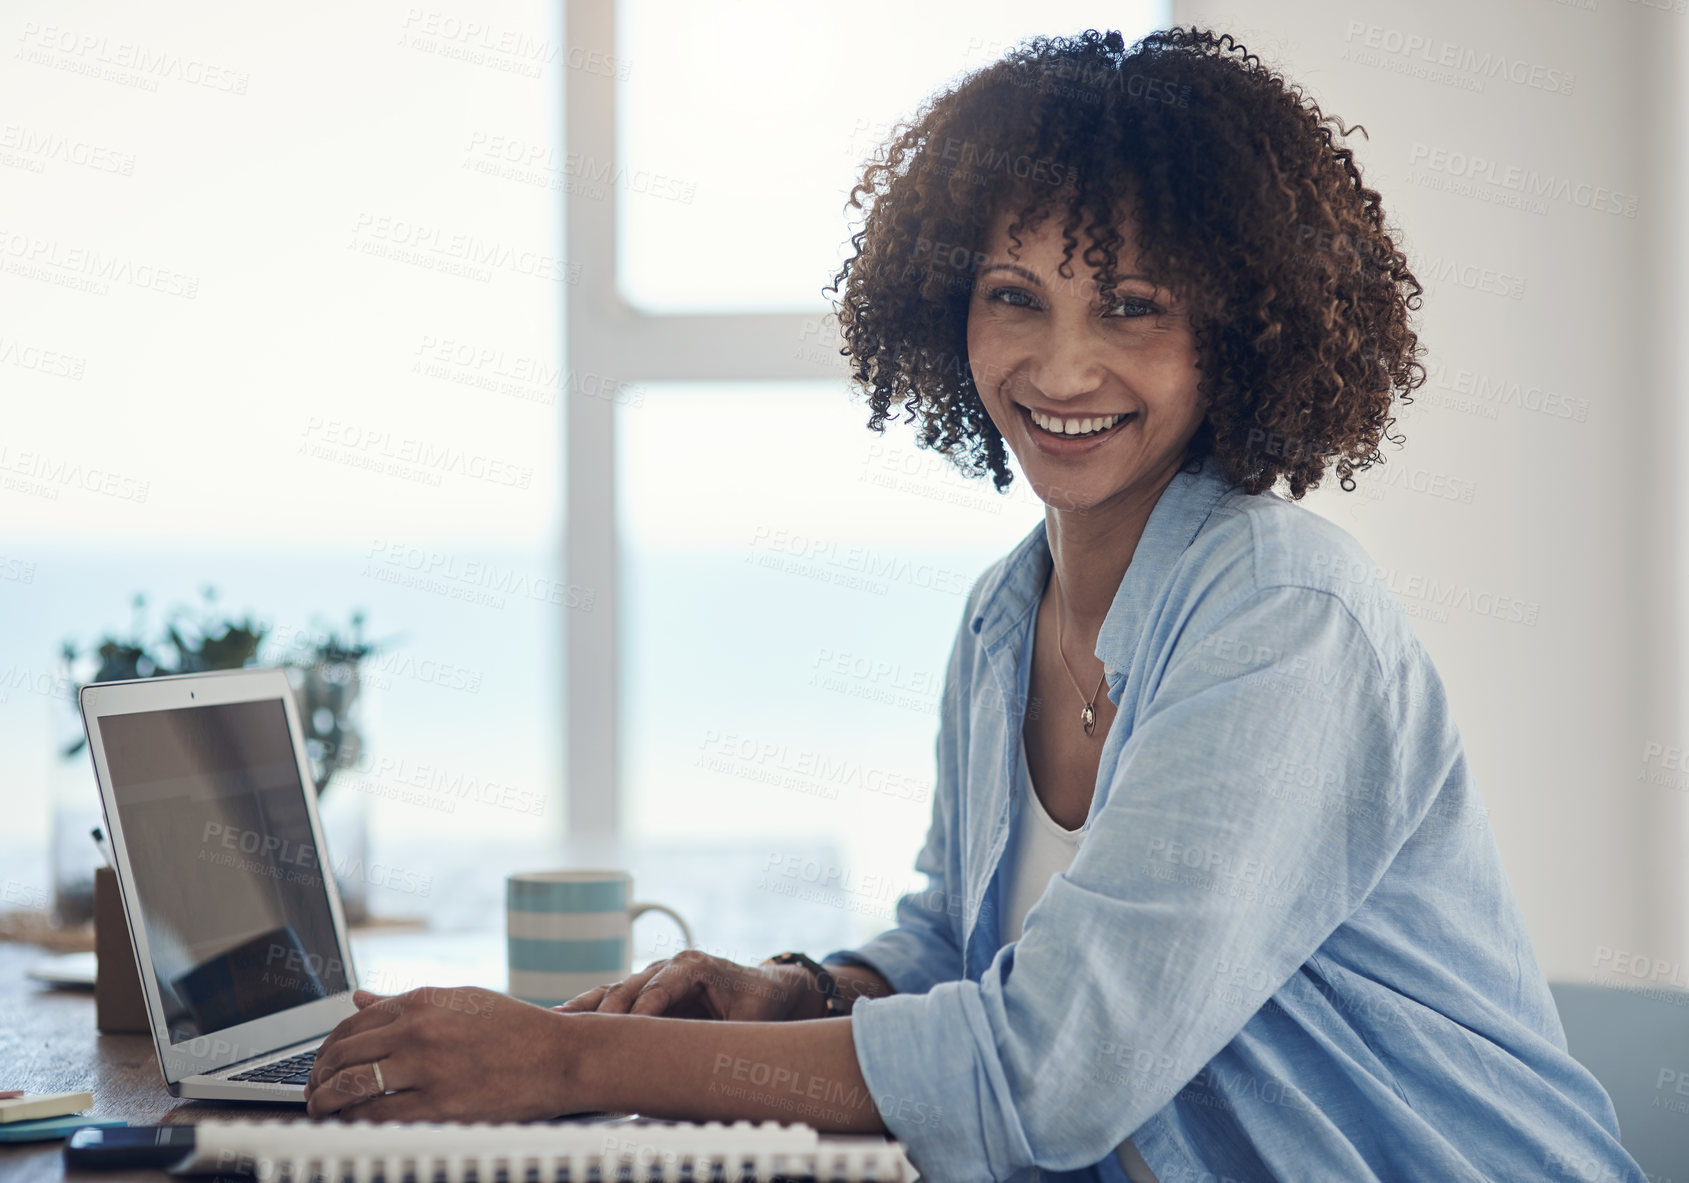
(225, 878)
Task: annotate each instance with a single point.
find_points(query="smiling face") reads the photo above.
(1097, 403)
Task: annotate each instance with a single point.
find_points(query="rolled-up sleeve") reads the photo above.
(1193, 868)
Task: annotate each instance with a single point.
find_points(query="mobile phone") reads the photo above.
(118, 1147)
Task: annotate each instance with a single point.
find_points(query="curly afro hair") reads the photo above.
(1247, 205)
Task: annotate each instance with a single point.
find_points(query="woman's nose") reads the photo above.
(1065, 362)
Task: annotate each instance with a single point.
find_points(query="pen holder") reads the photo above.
(119, 1006)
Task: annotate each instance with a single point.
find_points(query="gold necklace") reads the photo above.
(1088, 716)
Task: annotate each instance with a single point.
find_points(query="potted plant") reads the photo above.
(323, 670)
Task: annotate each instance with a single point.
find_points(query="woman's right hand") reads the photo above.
(695, 985)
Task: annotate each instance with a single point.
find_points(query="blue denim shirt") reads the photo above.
(1286, 948)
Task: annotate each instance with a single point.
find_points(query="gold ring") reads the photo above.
(380, 1085)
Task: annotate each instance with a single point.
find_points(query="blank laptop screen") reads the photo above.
(229, 878)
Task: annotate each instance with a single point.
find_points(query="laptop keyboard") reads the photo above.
(293, 1070)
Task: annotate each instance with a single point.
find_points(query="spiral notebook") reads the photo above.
(635, 1151)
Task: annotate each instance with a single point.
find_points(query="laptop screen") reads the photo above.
(229, 877)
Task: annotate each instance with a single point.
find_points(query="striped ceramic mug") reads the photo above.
(569, 931)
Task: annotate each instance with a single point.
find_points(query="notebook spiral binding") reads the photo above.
(289, 1151)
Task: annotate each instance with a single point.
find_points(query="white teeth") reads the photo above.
(1073, 426)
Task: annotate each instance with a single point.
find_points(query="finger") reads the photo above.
(363, 998)
(672, 985)
(376, 1014)
(366, 1047)
(620, 995)
(583, 1002)
(363, 1023)
(351, 1086)
(410, 1105)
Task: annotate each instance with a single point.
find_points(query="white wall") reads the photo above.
(1582, 518)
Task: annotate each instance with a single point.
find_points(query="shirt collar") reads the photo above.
(1014, 588)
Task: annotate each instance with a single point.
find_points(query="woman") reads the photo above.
(1212, 893)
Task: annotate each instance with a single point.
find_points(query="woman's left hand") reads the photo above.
(445, 1054)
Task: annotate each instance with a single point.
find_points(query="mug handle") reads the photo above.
(635, 911)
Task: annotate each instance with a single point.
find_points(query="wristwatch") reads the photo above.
(824, 981)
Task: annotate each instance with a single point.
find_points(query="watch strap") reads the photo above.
(824, 980)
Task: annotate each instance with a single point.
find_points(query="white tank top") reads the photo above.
(1043, 850)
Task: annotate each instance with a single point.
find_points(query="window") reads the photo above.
(279, 315)
(287, 324)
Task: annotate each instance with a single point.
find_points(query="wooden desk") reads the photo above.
(48, 1044)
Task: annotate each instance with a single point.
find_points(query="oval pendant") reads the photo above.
(1089, 718)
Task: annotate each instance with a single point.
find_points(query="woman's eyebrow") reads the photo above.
(1020, 271)
(1033, 279)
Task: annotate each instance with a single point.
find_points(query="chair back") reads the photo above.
(1636, 1043)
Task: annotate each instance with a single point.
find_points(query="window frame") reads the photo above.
(605, 336)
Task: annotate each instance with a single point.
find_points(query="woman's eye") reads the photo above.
(1013, 297)
(1133, 307)
(1129, 308)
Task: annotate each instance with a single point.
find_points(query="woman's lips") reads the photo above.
(1067, 445)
